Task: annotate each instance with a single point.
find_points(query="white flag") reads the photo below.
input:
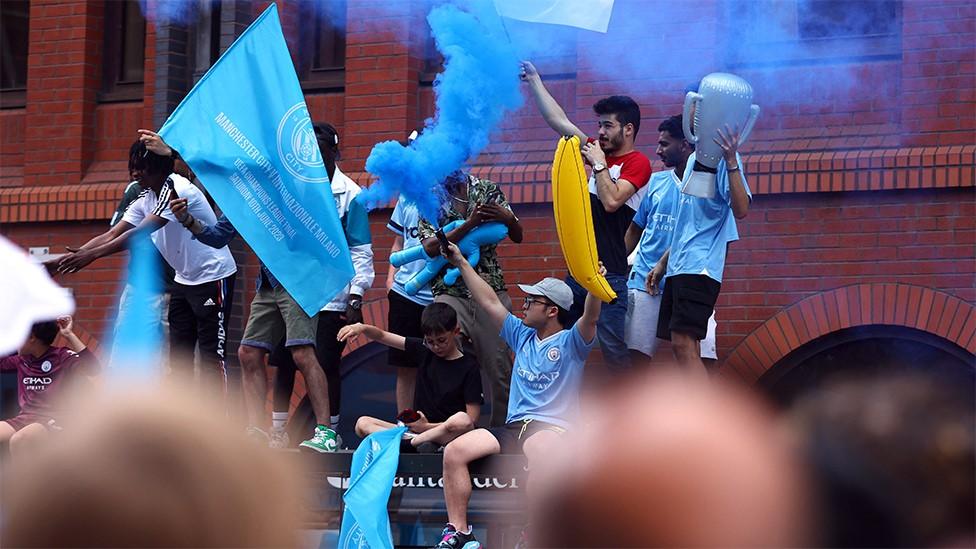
(29, 295)
(591, 15)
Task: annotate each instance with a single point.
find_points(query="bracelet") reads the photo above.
(187, 221)
(732, 169)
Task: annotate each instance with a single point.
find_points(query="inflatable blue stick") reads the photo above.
(470, 246)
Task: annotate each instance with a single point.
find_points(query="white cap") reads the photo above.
(554, 289)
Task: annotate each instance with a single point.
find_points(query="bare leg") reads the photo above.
(6, 431)
(455, 426)
(315, 381)
(406, 383)
(24, 440)
(457, 480)
(254, 381)
(366, 426)
(687, 350)
(536, 449)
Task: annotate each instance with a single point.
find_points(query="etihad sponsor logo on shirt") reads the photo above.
(541, 380)
(37, 383)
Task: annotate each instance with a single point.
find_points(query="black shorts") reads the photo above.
(403, 319)
(511, 436)
(686, 305)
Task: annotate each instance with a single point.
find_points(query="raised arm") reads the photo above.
(482, 293)
(591, 313)
(729, 141)
(552, 113)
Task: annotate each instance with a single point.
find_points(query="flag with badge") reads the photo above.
(245, 131)
(365, 521)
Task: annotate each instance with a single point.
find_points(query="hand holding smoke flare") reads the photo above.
(480, 83)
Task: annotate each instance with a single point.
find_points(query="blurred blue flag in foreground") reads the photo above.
(138, 333)
(245, 131)
(591, 15)
(365, 522)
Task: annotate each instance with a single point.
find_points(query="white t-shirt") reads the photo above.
(195, 263)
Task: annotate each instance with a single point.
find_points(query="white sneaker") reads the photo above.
(278, 438)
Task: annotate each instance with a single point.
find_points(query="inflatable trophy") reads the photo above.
(722, 99)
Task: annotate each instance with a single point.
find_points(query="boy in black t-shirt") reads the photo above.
(448, 396)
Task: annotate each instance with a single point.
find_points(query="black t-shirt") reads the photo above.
(443, 386)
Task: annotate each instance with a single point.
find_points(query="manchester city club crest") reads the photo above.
(553, 354)
(46, 366)
(297, 147)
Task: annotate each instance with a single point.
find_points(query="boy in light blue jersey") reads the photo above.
(544, 397)
(694, 263)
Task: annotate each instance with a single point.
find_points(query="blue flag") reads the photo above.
(365, 522)
(136, 343)
(245, 131)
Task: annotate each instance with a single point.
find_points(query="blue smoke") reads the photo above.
(138, 332)
(478, 86)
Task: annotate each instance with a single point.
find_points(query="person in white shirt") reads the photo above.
(203, 288)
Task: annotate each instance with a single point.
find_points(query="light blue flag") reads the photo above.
(365, 522)
(136, 349)
(245, 131)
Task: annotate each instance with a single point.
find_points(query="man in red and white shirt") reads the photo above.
(619, 174)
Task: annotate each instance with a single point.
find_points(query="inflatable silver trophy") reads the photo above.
(722, 99)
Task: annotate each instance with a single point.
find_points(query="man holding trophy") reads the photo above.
(705, 215)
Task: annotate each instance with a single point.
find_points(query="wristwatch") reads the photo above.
(356, 303)
(598, 167)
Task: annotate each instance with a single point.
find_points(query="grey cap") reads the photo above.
(554, 289)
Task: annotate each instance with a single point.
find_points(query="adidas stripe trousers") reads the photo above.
(198, 315)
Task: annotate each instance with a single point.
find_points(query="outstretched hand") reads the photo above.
(75, 261)
(350, 331)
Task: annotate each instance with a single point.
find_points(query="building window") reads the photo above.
(14, 31)
(125, 51)
(797, 32)
(322, 35)
(204, 48)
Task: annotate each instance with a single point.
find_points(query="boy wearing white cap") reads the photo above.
(544, 397)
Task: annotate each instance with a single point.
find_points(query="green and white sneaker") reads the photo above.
(324, 440)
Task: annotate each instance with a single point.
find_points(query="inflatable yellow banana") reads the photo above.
(571, 205)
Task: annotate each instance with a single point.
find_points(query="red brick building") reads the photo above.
(860, 243)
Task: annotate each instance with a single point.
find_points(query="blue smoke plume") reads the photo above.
(478, 86)
(138, 333)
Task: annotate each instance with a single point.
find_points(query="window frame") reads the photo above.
(113, 89)
(16, 97)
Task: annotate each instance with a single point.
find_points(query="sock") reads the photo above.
(278, 420)
(334, 422)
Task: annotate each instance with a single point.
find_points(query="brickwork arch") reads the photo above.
(905, 305)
